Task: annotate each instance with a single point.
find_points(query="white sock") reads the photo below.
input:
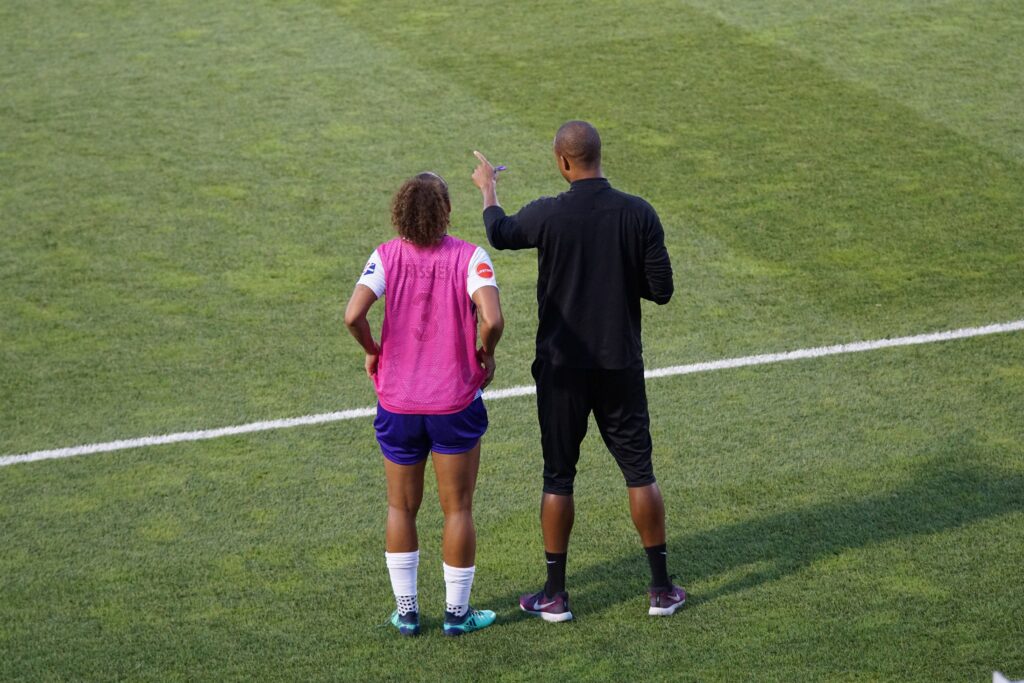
(402, 568)
(458, 582)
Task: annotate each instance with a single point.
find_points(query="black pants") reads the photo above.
(618, 399)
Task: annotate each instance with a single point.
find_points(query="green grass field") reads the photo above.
(189, 192)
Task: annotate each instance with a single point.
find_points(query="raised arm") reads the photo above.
(503, 232)
(355, 320)
(492, 324)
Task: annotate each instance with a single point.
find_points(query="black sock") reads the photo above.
(556, 573)
(657, 556)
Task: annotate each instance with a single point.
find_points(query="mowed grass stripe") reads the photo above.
(954, 64)
(510, 392)
(786, 228)
(797, 203)
(220, 273)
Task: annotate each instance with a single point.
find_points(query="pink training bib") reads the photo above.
(428, 340)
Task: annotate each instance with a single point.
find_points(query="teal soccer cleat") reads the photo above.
(472, 620)
(407, 624)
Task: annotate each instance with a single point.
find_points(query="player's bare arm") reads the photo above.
(355, 320)
(492, 324)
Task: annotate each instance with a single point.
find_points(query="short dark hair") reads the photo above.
(421, 209)
(578, 141)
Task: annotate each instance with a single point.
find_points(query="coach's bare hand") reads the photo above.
(486, 178)
(484, 175)
(486, 361)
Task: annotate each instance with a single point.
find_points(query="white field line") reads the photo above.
(764, 359)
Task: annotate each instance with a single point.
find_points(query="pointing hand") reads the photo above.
(484, 176)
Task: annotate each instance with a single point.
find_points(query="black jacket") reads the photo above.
(599, 252)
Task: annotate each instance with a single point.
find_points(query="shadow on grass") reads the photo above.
(944, 495)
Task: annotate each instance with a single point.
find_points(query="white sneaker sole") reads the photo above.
(554, 618)
(665, 611)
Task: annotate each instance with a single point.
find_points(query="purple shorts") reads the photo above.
(408, 439)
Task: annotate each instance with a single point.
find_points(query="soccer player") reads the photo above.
(599, 252)
(429, 375)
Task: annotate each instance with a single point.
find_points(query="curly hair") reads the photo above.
(421, 209)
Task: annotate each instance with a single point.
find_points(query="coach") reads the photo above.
(599, 252)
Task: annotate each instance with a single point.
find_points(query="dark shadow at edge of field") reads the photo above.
(946, 494)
